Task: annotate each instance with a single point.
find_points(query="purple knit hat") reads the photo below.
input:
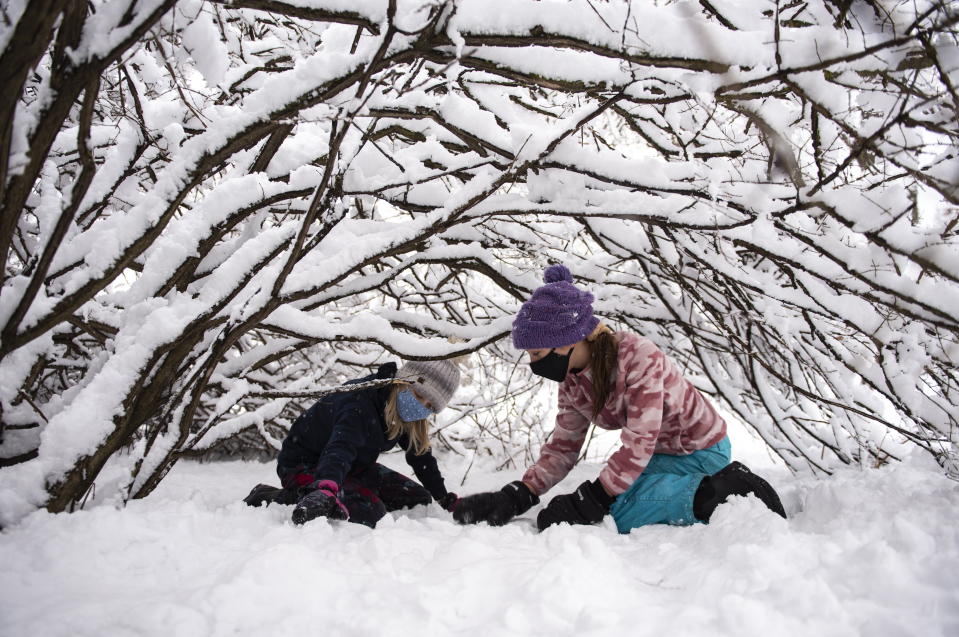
(558, 314)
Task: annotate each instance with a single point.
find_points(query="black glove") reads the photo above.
(449, 502)
(588, 504)
(320, 503)
(263, 494)
(496, 507)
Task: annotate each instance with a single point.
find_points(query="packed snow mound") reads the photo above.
(866, 552)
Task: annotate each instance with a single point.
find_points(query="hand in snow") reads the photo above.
(588, 504)
(496, 508)
(449, 502)
(320, 503)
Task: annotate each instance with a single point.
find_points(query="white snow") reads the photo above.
(858, 292)
(867, 552)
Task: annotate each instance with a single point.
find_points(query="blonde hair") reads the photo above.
(417, 430)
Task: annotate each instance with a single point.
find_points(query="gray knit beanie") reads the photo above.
(436, 380)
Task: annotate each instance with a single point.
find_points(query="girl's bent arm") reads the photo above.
(558, 456)
(353, 421)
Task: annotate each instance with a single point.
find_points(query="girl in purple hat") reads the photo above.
(674, 463)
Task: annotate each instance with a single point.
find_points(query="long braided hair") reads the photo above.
(417, 430)
(604, 350)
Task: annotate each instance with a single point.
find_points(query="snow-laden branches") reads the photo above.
(214, 202)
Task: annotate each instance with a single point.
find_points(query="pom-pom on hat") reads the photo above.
(436, 380)
(558, 314)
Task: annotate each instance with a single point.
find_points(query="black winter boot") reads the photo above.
(265, 494)
(735, 479)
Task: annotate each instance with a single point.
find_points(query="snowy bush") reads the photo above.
(206, 205)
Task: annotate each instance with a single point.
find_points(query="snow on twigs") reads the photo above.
(256, 193)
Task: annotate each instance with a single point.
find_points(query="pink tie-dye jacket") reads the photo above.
(654, 406)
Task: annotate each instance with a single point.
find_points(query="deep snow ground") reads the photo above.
(872, 552)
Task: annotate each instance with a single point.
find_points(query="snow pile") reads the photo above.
(872, 552)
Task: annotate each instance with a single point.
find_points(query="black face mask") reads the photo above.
(552, 366)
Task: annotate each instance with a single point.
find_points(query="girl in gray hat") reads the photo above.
(327, 464)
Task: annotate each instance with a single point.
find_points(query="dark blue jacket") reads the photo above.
(347, 432)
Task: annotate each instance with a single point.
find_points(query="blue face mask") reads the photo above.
(409, 408)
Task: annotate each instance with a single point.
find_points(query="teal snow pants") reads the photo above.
(663, 493)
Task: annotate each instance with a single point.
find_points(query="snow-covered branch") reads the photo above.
(209, 203)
